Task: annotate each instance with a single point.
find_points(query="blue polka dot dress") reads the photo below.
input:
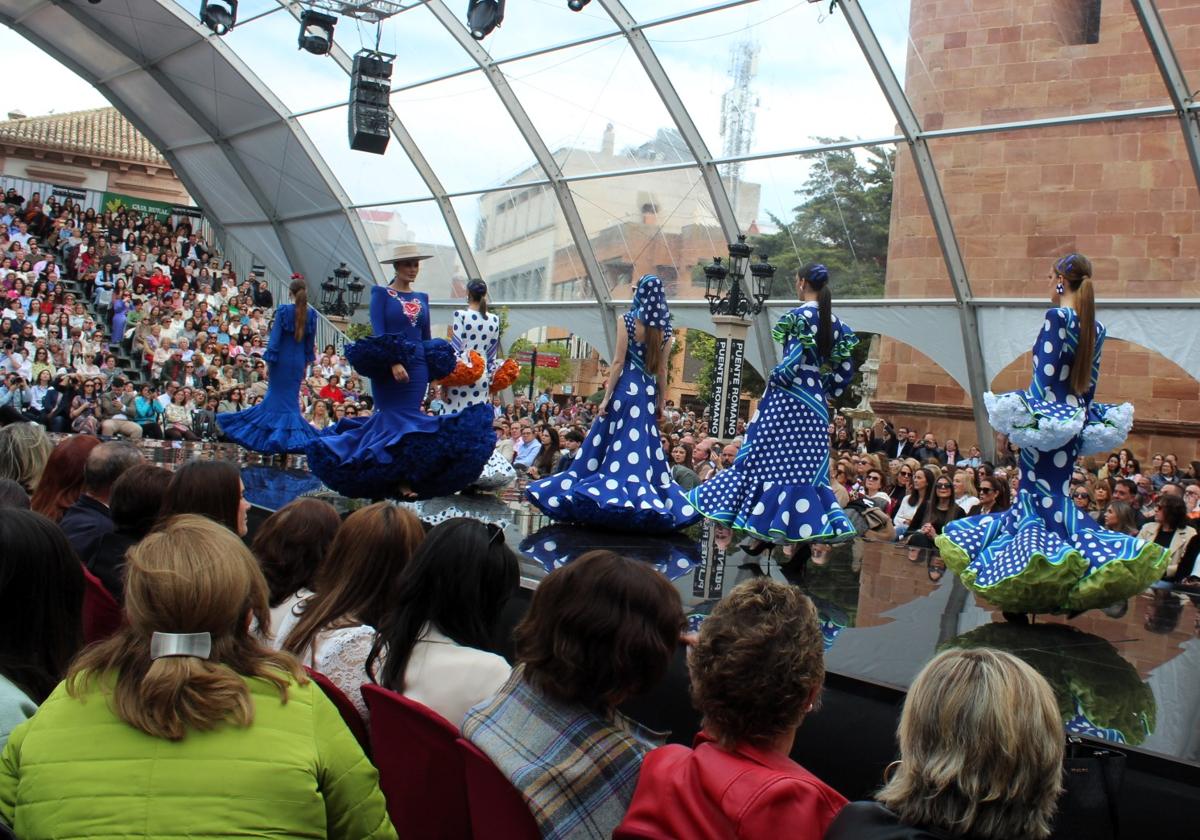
(778, 487)
(1044, 554)
(620, 477)
(481, 333)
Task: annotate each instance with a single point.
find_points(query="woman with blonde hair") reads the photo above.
(185, 694)
(333, 630)
(981, 753)
(24, 450)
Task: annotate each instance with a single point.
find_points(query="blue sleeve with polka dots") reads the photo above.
(1049, 367)
(841, 365)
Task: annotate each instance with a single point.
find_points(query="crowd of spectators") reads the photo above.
(202, 683)
(81, 289)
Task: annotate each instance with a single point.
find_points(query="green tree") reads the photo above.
(703, 348)
(842, 221)
(546, 377)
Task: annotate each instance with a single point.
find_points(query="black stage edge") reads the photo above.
(1130, 682)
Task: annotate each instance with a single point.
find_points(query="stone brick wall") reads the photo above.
(1121, 192)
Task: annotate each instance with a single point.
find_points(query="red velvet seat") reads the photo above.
(498, 811)
(349, 714)
(420, 770)
(102, 615)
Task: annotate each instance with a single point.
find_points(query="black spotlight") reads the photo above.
(483, 16)
(316, 32)
(577, 5)
(218, 15)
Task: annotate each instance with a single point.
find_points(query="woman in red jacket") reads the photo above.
(738, 781)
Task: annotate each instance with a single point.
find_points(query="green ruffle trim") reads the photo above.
(1117, 580)
(1042, 587)
(843, 349)
(792, 325)
(1047, 587)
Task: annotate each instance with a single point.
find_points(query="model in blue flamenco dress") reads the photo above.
(778, 487)
(1044, 554)
(620, 477)
(275, 426)
(399, 451)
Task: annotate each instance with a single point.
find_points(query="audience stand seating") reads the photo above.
(498, 811)
(349, 714)
(102, 615)
(420, 770)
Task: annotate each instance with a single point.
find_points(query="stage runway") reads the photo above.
(1130, 679)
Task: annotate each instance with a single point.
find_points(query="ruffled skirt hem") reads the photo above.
(606, 502)
(427, 463)
(1031, 423)
(260, 429)
(772, 511)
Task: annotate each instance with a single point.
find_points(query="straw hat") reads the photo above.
(407, 252)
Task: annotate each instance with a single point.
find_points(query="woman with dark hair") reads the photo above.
(599, 630)
(62, 479)
(355, 587)
(930, 520)
(682, 471)
(209, 488)
(1171, 531)
(133, 504)
(238, 741)
(290, 546)
(41, 612)
(1044, 554)
(432, 645)
(547, 458)
(920, 489)
(739, 780)
(621, 477)
(778, 489)
(993, 497)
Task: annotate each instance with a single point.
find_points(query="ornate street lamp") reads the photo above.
(333, 293)
(726, 289)
(734, 299)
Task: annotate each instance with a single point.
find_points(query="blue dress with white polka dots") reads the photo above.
(778, 487)
(620, 477)
(1044, 554)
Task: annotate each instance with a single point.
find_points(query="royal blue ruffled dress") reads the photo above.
(778, 487)
(275, 426)
(620, 477)
(1044, 554)
(398, 448)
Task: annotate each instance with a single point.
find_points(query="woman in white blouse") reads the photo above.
(433, 644)
(332, 630)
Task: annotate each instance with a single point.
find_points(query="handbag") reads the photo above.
(1092, 779)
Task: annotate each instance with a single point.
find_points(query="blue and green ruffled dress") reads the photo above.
(778, 487)
(1044, 554)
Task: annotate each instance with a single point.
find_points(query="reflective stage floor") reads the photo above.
(1132, 679)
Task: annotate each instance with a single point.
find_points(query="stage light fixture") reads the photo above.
(577, 5)
(483, 16)
(218, 15)
(316, 32)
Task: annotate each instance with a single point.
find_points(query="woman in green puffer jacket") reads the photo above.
(183, 724)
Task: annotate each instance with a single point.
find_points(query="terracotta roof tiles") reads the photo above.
(100, 131)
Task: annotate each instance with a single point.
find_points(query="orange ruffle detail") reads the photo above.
(505, 375)
(464, 373)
